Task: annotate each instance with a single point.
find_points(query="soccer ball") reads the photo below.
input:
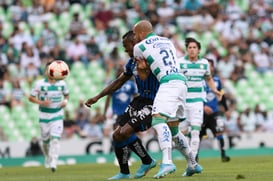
(58, 70)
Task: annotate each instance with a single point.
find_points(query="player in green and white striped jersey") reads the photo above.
(169, 102)
(51, 96)
(197, 71)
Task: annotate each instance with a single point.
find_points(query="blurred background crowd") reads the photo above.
(236, 34)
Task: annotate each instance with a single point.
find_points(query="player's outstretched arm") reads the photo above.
(112, 87)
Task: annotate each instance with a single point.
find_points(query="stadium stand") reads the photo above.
(20, 123)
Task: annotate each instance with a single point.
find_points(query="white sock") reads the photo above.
(194, 143)
(165, 142)
(183, 146)
(45, 149)
(54, 148)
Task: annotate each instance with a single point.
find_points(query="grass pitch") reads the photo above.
(250, 168)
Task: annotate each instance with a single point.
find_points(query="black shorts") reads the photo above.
(210, 122)
(138, 114)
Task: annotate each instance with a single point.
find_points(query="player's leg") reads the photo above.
(205, 125)
(218, 129)
(141, 121)
(196, 120)
(54, 149)
(165, 103)
(122, 150)
(122, 153)
(203, 132)
(56, 129)
(184, 127)
(180, 140)
(181, 143)
(45, 145)
(147, 162)
(135, 144)
(165, 144)
(183, 146)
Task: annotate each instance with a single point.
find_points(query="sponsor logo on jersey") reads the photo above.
(161, 45)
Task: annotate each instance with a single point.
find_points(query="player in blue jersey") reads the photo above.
(211, 112)
(121, 99)
(137, 116)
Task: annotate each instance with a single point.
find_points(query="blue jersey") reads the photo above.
(146, 88)
(212, 100)
(122, 97)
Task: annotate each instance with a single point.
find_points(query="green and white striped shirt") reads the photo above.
(195, 73)
(54, 92)
(160, 54)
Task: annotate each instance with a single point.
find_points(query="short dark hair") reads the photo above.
(192, 40)
(210, 61)
(128, 35)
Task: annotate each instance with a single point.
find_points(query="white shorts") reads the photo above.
(194, 115)
(54, 128)
(170, 99)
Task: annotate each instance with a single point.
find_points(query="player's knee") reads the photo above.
(124, 133)
(115, 136)
(119, 136)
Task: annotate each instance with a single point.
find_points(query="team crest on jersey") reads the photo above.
(59, 88)
(184, 66)
(202, 66)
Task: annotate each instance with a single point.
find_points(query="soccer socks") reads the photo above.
(122, 154)
(183, 146)
(220, 138)
(123, 149)
(195, 141)
(164, 141)
(54, 147)
(139, 149)
(45, 149)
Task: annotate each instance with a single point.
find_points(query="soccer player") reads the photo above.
(137, 116)
(51, 96)
(121, 99)
(211, 111)
(157, 55)
(196, 70)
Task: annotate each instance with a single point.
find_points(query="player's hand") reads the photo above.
(208, 110)
(141, 64)
(64, 103)
(45, 103)
(219, 95)
(91, 101)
